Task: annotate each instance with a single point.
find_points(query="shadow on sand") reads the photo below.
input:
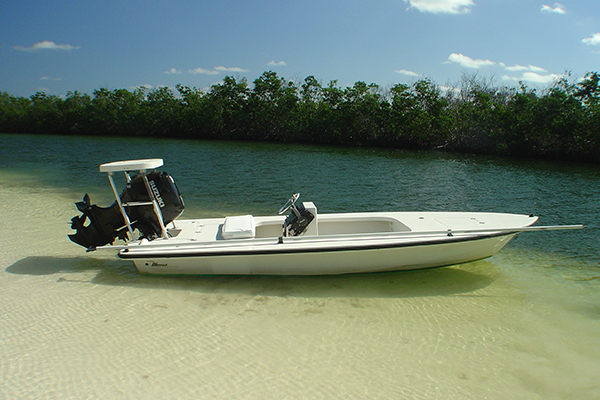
(430, 282)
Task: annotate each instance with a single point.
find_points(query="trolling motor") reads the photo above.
(148, 203)
(297, 221)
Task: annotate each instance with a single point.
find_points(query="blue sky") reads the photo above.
(59, 46)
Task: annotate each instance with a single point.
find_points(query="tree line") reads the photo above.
(560, 122)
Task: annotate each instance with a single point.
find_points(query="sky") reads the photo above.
(60, 46)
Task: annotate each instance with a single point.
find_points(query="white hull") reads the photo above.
(427, 244)
(327, 262)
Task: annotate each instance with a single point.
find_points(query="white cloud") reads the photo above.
(173, 71)
(529, 73)
(203, 71)
(517, 67)
(468, 62)
(449, 90)
(47, 45)
(442, 6)
(216, 70)
(277, 64)
(407, 72)
(592, 40)
(47, 78)
(534, 77)
(230, 69)
(557, 9)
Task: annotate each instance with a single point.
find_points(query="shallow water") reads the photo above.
(524, 324)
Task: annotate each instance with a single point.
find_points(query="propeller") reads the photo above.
(84, 205)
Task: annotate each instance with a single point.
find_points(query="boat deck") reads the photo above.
(331, 225)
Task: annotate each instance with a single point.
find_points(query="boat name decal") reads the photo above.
(155, 264)
(157, 195)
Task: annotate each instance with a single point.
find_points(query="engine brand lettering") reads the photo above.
(157, 195)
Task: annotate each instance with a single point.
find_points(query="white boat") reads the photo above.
(303, 242)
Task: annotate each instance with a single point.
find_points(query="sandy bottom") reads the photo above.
(77, 327)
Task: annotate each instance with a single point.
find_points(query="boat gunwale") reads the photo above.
(383, 235)
(342, 246)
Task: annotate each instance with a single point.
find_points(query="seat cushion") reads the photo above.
(239, 227)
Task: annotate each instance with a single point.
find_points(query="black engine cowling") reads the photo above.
(98, 226)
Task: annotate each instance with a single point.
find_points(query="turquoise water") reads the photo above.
(522, 324)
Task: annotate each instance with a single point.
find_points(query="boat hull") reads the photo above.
(327, 259)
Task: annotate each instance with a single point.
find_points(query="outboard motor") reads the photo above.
(98, 226)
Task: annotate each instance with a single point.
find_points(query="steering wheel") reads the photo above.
(289, 204)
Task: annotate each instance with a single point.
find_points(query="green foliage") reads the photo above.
(419, 116)
(271, 108)
(559, 122)
(14, 113)
(227, 108)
